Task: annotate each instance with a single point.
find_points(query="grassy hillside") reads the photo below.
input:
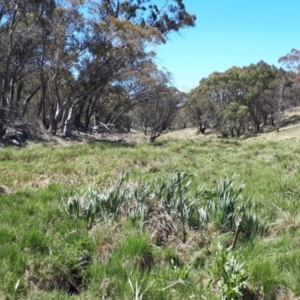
(132, 246)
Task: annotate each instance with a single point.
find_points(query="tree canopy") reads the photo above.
(240, 99)
(67, 62)
(83, 64)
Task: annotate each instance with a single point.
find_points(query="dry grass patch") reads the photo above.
(105, 249)
(283, 293)
(5, 190)
(285, 221)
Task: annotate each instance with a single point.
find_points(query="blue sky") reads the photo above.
(230, 33)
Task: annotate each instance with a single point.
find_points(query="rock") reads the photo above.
(16, 137)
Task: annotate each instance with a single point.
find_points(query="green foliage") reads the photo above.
(252, 223)
(239, 99)
(112, 198)
(34, 243)
(272, 272)
(222, 208)
(73, 209)
(105, 36)
(166, 191)
(63, 270)
(137, 207)
(138, 290)
(234, 119)
(133, 200)
(200, 110)
(181, 272)
(229, 274)
(92, 205)
(227, 209)
(135, 245)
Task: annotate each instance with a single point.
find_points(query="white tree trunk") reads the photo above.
(278, 116)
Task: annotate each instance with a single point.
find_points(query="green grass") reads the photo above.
(39, 243)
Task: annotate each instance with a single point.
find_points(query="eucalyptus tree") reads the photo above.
(291, 62)
(22, 25)
(68, 61)
(159, 106)
(232, 100)
(279, 97)
(113, 75)
(62, 53)
(215, 102)
(166, 15)
(233, 119)
(258, 79)
(200, 109)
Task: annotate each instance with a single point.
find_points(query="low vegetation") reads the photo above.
(176, 219)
